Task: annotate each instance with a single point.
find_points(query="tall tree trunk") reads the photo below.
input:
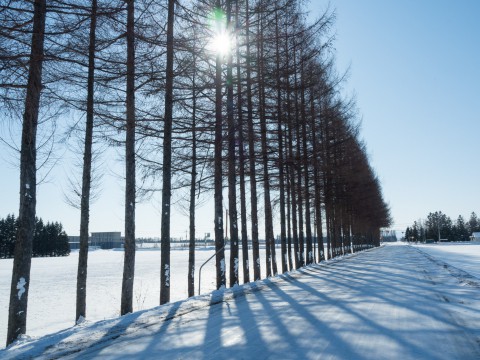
(87, 173)
(241, 161)
(232, 183)
(167, 163)
(270, 259)
(325, 136)
(251, 149)
(291, 164)
(129, 246)
(292, 183)
(193, 185)
(219, 240)
(17, 311)
(308, 226)
(283, 235)
(301, 235)
(289, 222)
(317, 184)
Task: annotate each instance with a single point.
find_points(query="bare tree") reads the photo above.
(251, 150)
(193, 184)
(270, 258)
(167, 162)
(281, 165)
(232, 186)
(17, 311)
(87, 173)
(241, 156)
(218, 219)
(129, 245)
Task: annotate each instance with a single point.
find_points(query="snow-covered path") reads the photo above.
(389, 303)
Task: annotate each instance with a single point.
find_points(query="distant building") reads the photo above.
(475, 236)
(74, 242)
(106, 240)
(102, 240)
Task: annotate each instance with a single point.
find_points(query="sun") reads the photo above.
(221, 43)
(221, 40)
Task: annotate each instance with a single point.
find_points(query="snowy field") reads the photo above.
(395, 302)
(463, 256)
(52, 295)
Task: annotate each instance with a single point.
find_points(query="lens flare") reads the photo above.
(221, 41)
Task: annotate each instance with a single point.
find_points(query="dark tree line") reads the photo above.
(48, 239)
(439, 226)
(262, 118)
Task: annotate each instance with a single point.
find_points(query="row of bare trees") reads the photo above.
(263, 117)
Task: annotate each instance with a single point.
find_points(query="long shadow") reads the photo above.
(172, 311)
(284, 325)
(213, 328)
(269, 322)
(380, 287)
(121, 328)
(376, 284)
(279, 326)
(374, 287)
(116, 330)
(347, 351)
(248, 323)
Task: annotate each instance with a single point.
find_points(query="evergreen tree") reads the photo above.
(8, 231)
(48, 239)
(473, 223)
(438, 226)
(460, 230)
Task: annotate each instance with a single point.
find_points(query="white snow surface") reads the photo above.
(463, 256)
(394, 302)
(51, 301)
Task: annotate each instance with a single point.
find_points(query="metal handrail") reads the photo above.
(200, 271)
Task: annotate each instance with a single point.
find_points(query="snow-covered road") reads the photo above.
(389, 303)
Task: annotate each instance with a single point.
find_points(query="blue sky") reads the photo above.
(415, 72)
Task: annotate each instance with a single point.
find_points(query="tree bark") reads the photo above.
(232, 184)
(251, 150)
(193, 182)
(129, 245)
(87, 173)
(283, 235)
(218, 220)
(292, 184)
(308, 226)
(317, 184)
(17, 311)
(167, 163)
(270, 258)
(241, 163)
(301, 234)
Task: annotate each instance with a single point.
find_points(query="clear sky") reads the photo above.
(415, 71)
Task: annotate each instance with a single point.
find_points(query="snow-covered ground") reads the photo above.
(394, 302)
(464, 256)
(52, 294)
